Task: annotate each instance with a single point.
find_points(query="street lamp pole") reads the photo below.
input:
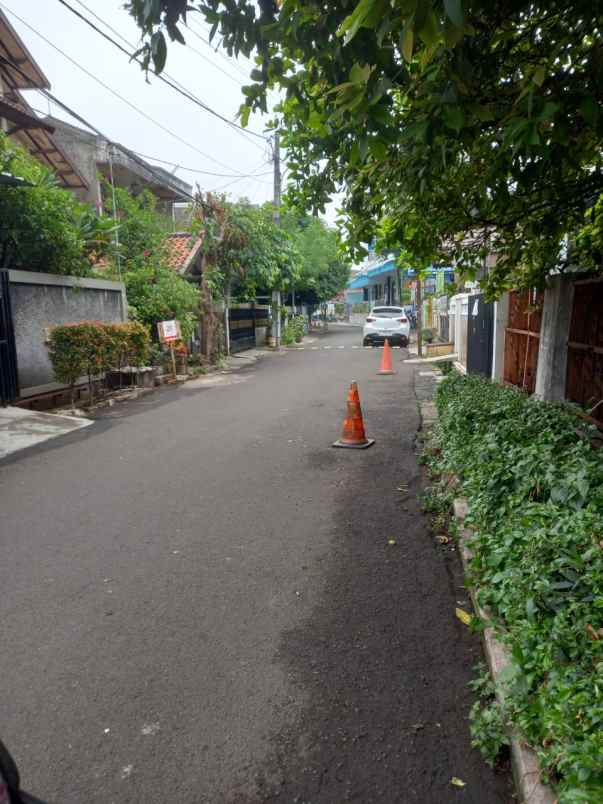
(276, 294)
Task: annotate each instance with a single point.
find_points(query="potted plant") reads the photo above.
(181, 353)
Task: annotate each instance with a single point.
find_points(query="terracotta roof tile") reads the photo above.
(180, 247)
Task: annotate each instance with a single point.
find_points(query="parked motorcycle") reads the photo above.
(411, 314)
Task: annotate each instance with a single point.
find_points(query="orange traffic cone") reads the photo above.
(386, 360)
(353, 435)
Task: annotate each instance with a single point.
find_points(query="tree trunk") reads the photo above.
(226, 321)
(208, 319)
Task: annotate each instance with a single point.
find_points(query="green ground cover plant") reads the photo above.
(487, 726)
(534, 483)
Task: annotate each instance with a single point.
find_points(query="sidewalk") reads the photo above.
(20, 429)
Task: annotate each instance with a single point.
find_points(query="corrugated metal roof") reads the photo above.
(13, 50)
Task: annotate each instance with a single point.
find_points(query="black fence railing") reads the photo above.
(9, 385)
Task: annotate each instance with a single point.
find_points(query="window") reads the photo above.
(388, 312)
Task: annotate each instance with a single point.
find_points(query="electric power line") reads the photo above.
(111, 90)
(80, 119)
(169, 82)
(176, 165)
(226, 58)
(224, 186)
(187, 44)
(205, 172)
(129, 44)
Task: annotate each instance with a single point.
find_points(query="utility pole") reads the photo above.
(276, 294)
(115, 220)
(277, 180)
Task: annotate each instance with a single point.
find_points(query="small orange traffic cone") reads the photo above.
(353, 435)
(386, 360)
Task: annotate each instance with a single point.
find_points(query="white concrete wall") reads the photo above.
(501, 316)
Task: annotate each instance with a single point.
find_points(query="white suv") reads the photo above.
(386, 322)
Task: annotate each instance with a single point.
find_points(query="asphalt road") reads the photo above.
(198, 602)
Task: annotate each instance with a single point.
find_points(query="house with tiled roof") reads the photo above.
(184, 254)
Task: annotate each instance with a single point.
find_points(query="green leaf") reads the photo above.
(531, 608)
(539, 75)
(353, 22)
(430, 32)
(360, 74)
(408, 40)
(378, 149)
(454, 11)
(549, 110)
(244, 113)
(175, 33)
(533, 137)
(159, 51)
(589, 109)
(454, 117)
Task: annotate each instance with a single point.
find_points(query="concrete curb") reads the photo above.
(432, 360)
(524, 762)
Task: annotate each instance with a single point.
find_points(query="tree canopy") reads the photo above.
(323, 271)
(455, 128)
(247, 252)
(155, 291)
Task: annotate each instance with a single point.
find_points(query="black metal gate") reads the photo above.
(480, 335)
(241, 323)
(9, 388)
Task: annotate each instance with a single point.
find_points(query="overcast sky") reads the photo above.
(215, 80)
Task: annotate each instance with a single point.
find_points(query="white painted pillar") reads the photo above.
(501, 316)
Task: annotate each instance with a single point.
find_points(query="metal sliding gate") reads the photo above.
(9, 387)
(241, 323)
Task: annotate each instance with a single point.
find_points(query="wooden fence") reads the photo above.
(522, 338)
(585, 348)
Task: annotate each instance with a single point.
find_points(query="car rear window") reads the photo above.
(388, 312)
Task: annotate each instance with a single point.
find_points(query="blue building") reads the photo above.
(378, 283)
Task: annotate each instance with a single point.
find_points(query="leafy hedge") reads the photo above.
(535, 489)
(296, 327)
(90, 348)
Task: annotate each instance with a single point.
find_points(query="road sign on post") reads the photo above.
(170, 332)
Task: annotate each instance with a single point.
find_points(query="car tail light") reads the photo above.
(370, 320)
(402, 320)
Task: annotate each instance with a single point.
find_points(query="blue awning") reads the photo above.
(388, 267)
